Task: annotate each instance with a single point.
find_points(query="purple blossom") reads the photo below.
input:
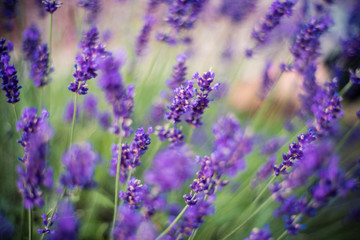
(32, 40)
(179, 73)
(260, 234)
(292, 226)
(51, 5)
(166, 38)
(90, 106)
(46, 218)
(267, 81)
(265, 170)
(92, 8)
(79, 162)
(86, 62)
(67, 223)
(170, 169)
(272, 145)
(276, 12)
(174, 135)
(306, 45)
(34, 173)
(355, 77)
(127, 223)
(135, 194)
(143, 39)
(40, 68)
(105, 120)
(157, 113)
(8, 73)
(7, 228)
(358, 114)
(8, 13)
(237, 10)
(69, 112)
(310, 89)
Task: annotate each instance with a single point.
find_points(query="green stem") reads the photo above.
(173, 223)
(249, 218)
(117, 178)
(30, 224)
(16, 117)
(282, 236)
(188, 138)
(345, 89)
(73, 121)
(347, 135)
(193, 234)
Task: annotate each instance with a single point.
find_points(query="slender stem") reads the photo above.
(50, 37)
(73, 120)
(16, 117)
(179, 237)
(282, 236)
(249, 218)
(30, 224)
(173, 223)
(345, 89)
(347, 135)
(188, 138)
(193, 234)
(117, 178)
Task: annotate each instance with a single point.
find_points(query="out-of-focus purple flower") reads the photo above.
(34, 173)
(355, 77)
(66, 224)
(32, 40)
(265, 170)
(7, 229)
(166, 38)
(237, 10)
(292, 226)
(92, 8)
(267, 81)
(157, 113)
(173, 135)
(135, 194)
(310, 89)
(195, 214)
(51, 5)
(127, 223)
(306, 45)
(260, 234)
(86, 62)
(327, 107)
(40, 69)
(143, 39)
(358, 114)
(105, 120)
(276, 12)
(8, 12)
(296, 151)
(69, 112)
(46, 218)
(170, 169)
(272, 145)
(146, 231)
(231, 145)
(179, 73)
(90, 106)
(351, 46)
(8, 73)
(79, 162)
(201, 99)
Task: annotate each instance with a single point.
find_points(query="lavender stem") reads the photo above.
(30, 224)
(173, 223)
(73, 120)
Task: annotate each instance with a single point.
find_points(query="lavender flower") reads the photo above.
(166, 38)
(51, 5)
(143, 38)
(292, 226)
(179, 72)
(265, 170)
(272, 145)
(310, 89)
(86, 62)
(135, 194)
(32, 40)
(126, 224)
(237, 10)
(355, 77)
(79, 162)
(260, 234)
(7, 229)
(67, 223)
(267, 81)
(34, 173)
(8, 73)
(275, 13)
(92, 8)
(170, 169)
(8, 12)
(90, 106)
(69, 112)
(105, 120)
(358, 114)
(40, 66)
(46, 218)
(157, 113)
(173, 135)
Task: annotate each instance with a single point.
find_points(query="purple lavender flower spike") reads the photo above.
(260, 234)
(127, 223)
(40, 66)
(272, 19)
(32, 40)
(67, 223)
(166, 38)
(86, 62)
(355, 77)
(47, 226)
(173, 135)
(358, 114)
(265, 170)
(79, 162)
(143, 38)
(157, 112)
(51, 5)
(272, 145)
(34, 173)
(237, 10)
(170, 169)
(69, 112)
(90, 106)
(8, 73)
(179, 73)
(135, 194)
(92, 8)
(8, 11)
(7, 229)
(291, 226)
(105, 120)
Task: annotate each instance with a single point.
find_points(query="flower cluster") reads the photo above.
(237, 10)
(34, 173)
(179, 73)
(260, 234)
(37, 55)
(92, 8)
(355, 77)
(51, 5)
(143, 38)
(86, 62)
(135, 194)
(47, 224)
(79, 162)
(8, 73)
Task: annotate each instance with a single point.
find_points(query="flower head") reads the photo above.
(51, 5)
